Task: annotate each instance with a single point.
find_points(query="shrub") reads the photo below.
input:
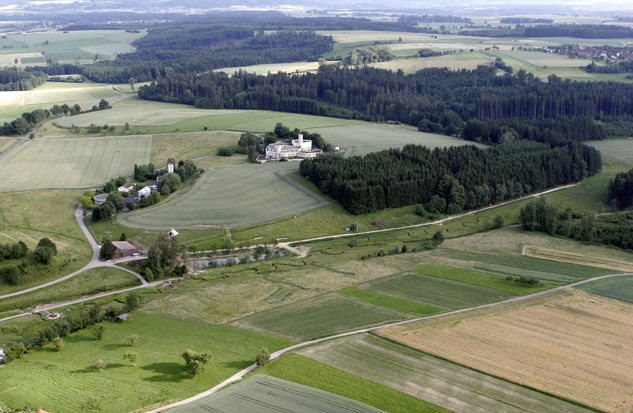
(11, 274)
(100, 365)
(58, 343)
(438, 238)
(99, 330)
(419, 210)
(263, 357)
(130, 340)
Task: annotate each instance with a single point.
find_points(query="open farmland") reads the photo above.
(366, 138)
(454, 62)
(261, 394)
(619, 150)
(157, 117)
(438, 292)
(159, 375)
(438, 381)
(570, 257)
(570, 344)
(188, 145)
(72, 163)
(6, 144)
(272, 68)
(318, 317)
(237, 197)
(619, 288)
(391, 302)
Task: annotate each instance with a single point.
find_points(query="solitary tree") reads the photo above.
(130, 340)
(196, 362)
(499, 221)
(438, 238)
(131, 81)
(263, 357)
(99, 330)
(100, 365)
(132, 356)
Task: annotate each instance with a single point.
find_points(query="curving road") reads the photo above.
(277, 354)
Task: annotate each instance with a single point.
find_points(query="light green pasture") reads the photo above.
(619, 150)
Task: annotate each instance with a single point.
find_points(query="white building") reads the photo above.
(170, 168)
(126, 187)
(146, 192)
(298, 148)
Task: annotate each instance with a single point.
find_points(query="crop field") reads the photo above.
(619, 288)
(522, 272)
(367, 138)
(65, 47)
(391, 302)
(159, 375)
(570, 344)
(231, 196)
(438, 292)
(545, 59)
(162, 118)
(619, 150)
(261, 394)
(453, 62)
(189, 145)
(318, 317)
(72, 163)
(303, 370)
(272, 68)
(581, 259)
(89, 282)
(478, 278)
(6, 144)
(454, 387)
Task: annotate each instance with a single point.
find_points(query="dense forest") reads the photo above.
(450, 179)
(12, 78)
(621, 190)
(553, 111)
(583, 31)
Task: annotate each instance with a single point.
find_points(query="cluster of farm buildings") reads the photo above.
(296, 148)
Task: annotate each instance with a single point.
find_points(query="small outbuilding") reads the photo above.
(122, 317)
(126, 188)
(172, 233)
(123, 249)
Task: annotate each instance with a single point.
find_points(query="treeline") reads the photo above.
(619, 67)
(442, 96)
(22, 125)
(544, 216)
(583, 31)
(12, 78)
(371, 55)
(451, 179)
(43, 254)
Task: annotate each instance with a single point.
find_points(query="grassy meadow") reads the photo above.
(391, 302)
(189, 145)
(159, 375)
(72, 163)
(620, 150)
(569, 344)
(449, 385)
(260, 393)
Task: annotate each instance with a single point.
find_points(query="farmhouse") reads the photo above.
(297, 148)
(123, 249)
(126, 188)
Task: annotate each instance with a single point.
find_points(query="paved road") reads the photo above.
(277, 354)
(94, 261)
(21, 141)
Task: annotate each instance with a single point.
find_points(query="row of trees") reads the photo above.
(450, 179)
(449, 98)
(22, 125)
(583, 31)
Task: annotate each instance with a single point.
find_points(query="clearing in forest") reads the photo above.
(72, 163)
(570, 344)
(620, 150)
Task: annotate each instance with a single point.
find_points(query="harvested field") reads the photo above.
(571, 344)
(438, 292)
(318, 317)
(453, 62)
(438, 381)
(6, 144)
(262, 394)
(72, 163)
(365, 138)
(237, 197)
(272, 68)
(619, 288)
(582, 259)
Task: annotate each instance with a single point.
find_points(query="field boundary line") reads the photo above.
(240, 375)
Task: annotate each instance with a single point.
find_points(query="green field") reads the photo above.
(262, 394)
(189, 145)
(391, 302)
(521, 272)
(318, 317)
(72, 163)
(161, 118)
(521, 262)
(619, 288)
(619, 150)
(66, 381)
(447, 384)
(237, 197)
(366, 138)
(478, 278)
(6, 144)
(302, 370)
(446, 294)
(89, 282)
